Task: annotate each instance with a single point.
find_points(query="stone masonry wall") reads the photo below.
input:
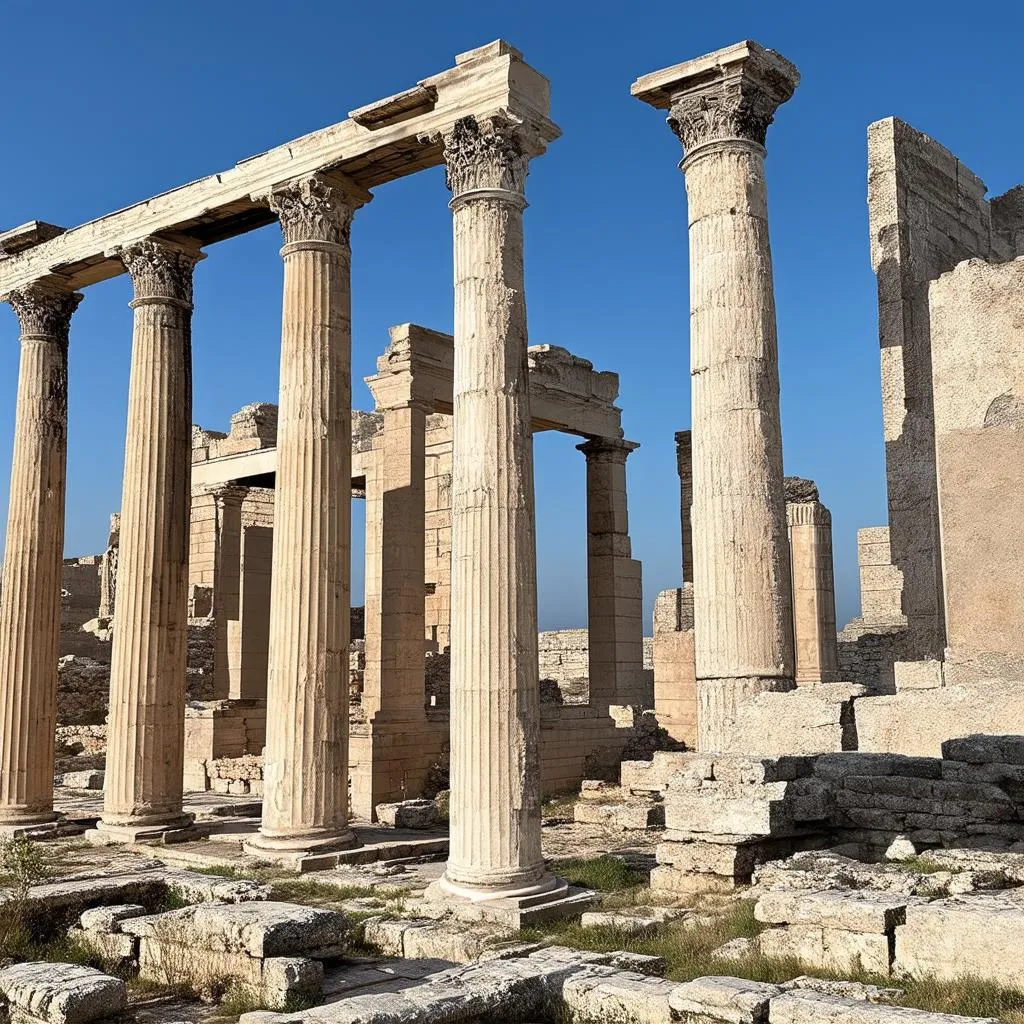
(927, 213)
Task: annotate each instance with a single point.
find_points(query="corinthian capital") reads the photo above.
(490, 155)
(729, 94)
(44, 310)
(316, 209)
(161, 269)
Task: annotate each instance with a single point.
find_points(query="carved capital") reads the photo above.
(316, 209)
(44, 311)
(739, 103)
(491, 155)
(160, 270)
(608, 449)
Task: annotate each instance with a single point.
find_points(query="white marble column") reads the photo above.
(495, 709)
(146, 726)
(30, 591)
(720, 106)
(305, 801)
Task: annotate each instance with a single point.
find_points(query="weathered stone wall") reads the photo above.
(674, 667)
(977, 332)
(927, 214)
(564, 659)
(870, 644)
(438, 526)
(83, 690)
(80, 590)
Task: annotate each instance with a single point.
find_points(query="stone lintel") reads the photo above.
(490, 82)
(745, 60)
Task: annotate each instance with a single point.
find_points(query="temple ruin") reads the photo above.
(837, 809)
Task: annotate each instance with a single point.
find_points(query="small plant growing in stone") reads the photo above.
(23, 865)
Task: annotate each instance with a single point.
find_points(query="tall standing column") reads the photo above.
(495, 846)
(614, 585)
(305, 798)
(720, 107)
(146, 727)
(30, 594)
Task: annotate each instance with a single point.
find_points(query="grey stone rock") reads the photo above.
(108, 919)
(62, 993)
(414, 814)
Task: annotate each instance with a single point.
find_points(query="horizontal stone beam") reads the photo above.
(378, 143)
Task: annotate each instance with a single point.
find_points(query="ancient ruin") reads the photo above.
(747, 817)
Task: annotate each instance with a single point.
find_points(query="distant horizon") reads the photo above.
(109, 119)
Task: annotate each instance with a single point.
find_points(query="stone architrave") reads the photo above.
(30, 592)
(720, 107)
(305, 801)
(146, 727)
(614, 588)
(495, 847)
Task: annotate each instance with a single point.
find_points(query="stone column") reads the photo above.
(394, 682)
(146, 726)
(30, 591)
(227, 586)
(720, 107)
(495, 711)
(815, 642)
(305, 801)
(614, 589)
(684, 467)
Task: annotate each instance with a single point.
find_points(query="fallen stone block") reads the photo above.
(108, 919)
(62, 993)
(798, 1007)
(861, 911)
(733, 1000)
(414, 814)
(734, 861)
(830, 948)
(979, 935)
(846, 989)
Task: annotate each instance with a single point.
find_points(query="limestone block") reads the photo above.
(918, 675)
(706, 810)
(918, 722)
(668, 879)
(733, 1000)
(82, 780)
(635, 998)
(257, 929)
(288, 979)
(108, 919)
(631, 924)
(415, 814)
(62, 993)
(977, 934)
(736, 861)
(859, 911)
(809, 720)
(832, 949)
(802, 1007)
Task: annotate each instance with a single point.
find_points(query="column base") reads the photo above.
(546, 900)
(307, 851)
(170, 829)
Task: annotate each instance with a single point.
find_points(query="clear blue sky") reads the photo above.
(108, 103)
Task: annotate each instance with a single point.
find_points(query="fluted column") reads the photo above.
(495, 711)
(33, 556)
(614, 584)
(305, 801)
(720, 107)
(146, 726)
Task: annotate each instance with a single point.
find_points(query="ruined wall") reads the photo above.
(872, 643)
(564, 657)
(977, 330)
(927, 213)
(438, 528)
(675, 670)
